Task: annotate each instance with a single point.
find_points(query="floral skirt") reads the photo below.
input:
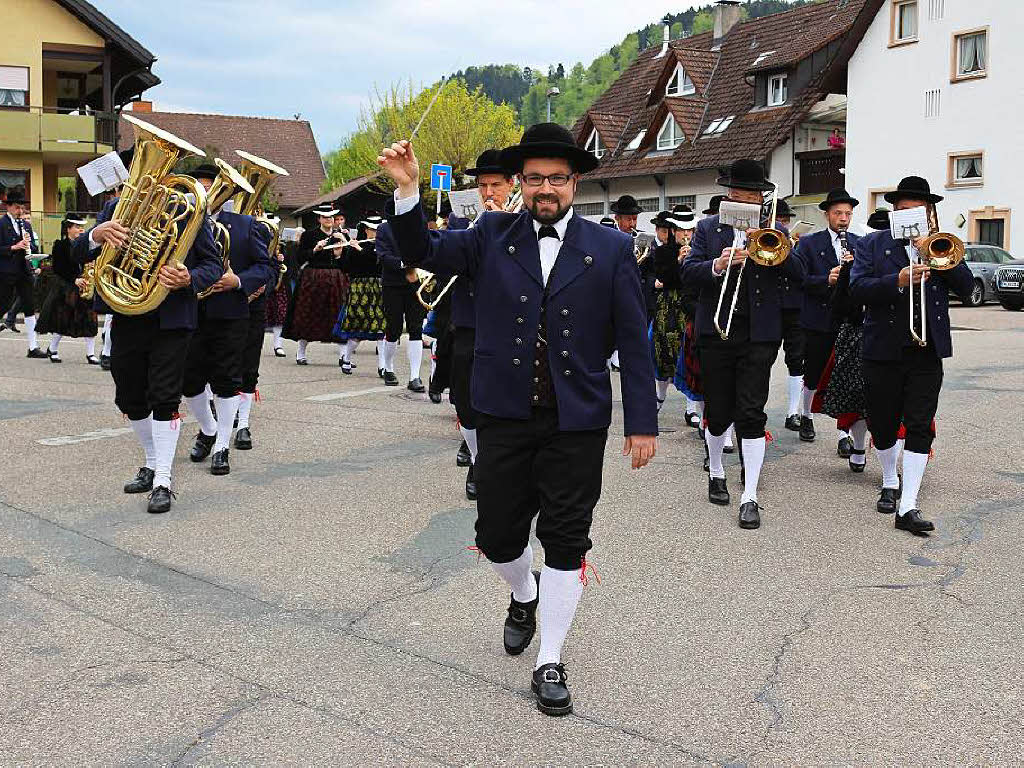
(669, 325)
(277, 304)
(688, 378)
(319, 297)
(363, 317)
(64, 311)
(841, 388)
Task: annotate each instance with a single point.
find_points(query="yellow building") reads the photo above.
(65, 69)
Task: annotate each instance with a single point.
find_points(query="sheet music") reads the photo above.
(740, 216)
(103, 174)
(465, 203)
(909, 223)
(291, 234)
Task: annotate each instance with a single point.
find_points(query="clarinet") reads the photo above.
(844, 243)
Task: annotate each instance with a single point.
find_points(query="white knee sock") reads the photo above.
(841, 434)
(899, 448)
(753, 458)
(209, 394)
(859, 435)
(699, 408)
(276, 330)
(341, 350)
(415, 354)
(808, 399)
(796, 387)
(245, 408)
(614, 359)
(350, 349)
(107, 320)
(390, 347)
(662, 390)
(144, 433)
(90, 346)
(301, 353)
(691, 405)
(469, 435)
(199, 407)
(55, 341)
(913, 473)
(519, 575)
(30, 328)
(560, 593)
(433, 358)
(887, 459)
(381, 354)
(165, 440)
(715, 446)
(227, 407)
(729, 435)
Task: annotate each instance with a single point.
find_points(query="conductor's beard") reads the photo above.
(547, 209)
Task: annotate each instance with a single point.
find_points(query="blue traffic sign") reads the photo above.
(441, 177)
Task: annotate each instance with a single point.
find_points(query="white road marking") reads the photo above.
(379, 390)
(97, 434)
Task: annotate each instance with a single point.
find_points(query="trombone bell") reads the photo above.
(768, 247)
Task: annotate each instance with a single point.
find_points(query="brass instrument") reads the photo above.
(260, 174)
(223, 188)
(89, 275)
(765, 246)
(163, 213)
(428, 285)
(940, 251)
(515, 203)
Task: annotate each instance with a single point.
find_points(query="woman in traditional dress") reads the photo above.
(362, 317)
(277, 304)
(670, 315)
(64, 311)
(322, 289)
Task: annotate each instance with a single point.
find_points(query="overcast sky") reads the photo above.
(322, 59)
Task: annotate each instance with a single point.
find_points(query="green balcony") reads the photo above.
(46, 130)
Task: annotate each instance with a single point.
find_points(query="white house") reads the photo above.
(936, 89)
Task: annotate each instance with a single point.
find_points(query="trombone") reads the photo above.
(767, 247)
(940, 251)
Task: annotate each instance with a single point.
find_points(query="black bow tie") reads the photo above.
(547, 231)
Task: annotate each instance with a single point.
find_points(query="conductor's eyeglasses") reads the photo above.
(537, 179)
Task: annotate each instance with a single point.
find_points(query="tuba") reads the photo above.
(940, 251)
(260, 174)
(223, 189)
(163, 213)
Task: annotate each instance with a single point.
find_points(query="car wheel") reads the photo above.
(977, 297)
(1013, 307)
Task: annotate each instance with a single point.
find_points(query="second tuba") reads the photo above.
(228, 182)
(163, 213)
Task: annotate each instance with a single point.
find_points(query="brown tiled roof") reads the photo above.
(289, 143)
(724, 89)
(336, 194)
(609, 127)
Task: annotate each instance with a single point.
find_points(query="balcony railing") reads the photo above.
(47, 129)
(821, 171)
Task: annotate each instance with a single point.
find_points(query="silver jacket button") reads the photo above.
(516, 361)
(511, 249)
(588, 260)
(522, 299)
(565, 313)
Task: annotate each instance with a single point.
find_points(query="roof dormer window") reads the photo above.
(671, 135)
(778, 90)
(637, 140)
(594, 145)
(680, 83)
(719, 126)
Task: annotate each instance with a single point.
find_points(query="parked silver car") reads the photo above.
(984, 260)
(1010, 285)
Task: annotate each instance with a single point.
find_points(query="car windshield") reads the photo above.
(1002, 257)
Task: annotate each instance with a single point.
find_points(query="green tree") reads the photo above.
(703, 22)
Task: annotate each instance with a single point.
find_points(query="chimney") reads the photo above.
(727, 13)
(667, 27)
(142, 106)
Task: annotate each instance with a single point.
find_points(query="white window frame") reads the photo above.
(956, 75)
(15, 79)
(637, 140)
(676, 135)
(953, 177)
(783, 80)
(594, 145)
(680, 84)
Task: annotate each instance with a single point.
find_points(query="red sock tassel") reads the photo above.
(256, 395)
(479, 552)
(583, 572)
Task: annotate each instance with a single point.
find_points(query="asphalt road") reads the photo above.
(319, 605)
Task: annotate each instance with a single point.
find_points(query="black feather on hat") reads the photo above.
(547, 140)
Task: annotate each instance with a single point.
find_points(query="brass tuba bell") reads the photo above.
(224, 187)
(260, 174)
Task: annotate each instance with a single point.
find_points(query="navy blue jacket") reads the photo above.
(594, 305)
(877, 261)
(392, 269)
(818, 257)
(180, 309)
(12, 262)
(761, 286)
(250, 260)
(463, 304)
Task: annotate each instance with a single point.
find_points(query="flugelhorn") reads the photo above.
(163, 213)
(939, 251)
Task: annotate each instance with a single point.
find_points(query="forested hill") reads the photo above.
(526, 89)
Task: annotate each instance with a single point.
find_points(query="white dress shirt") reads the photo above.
(548, 247)
(836, 245)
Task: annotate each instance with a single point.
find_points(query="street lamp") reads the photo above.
(552, 92)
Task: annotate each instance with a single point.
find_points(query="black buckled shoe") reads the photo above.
(470, 484)
(521, 623)
(390, 379)
(92, 360)
(380, 373)
(54, 356)
(143, 482)
(105, 362)
(202, 447)
(750, 515)
(692, 419)
(806, 429)
(845, 448)
(301, 361)
(718, 493)
(416, 385)
(435, 397)
(159, 500)
(37, 354)
(729, 449)
(793, 422)
(220, 465)
(346, 367)
(853, 466)
(552, 693)
(463, 458)
(278, 352)
(243, 439)
(888, 500)
(913, 522)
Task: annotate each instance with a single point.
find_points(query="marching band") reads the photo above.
(533, 307)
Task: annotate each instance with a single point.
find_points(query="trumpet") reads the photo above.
(767, 247)
(941, 251)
